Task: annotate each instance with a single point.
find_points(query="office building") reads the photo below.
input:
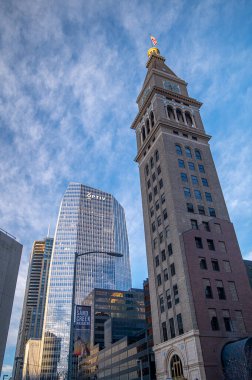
(248, 265)
(199, 291)
(93, 221)
(31, 323)
(10, 255)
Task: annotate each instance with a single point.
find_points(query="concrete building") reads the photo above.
(89, 220)
(199, 291)
(31, 323)
(10, 255)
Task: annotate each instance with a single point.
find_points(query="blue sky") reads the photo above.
(70, 72)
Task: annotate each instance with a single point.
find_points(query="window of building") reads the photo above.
(187, 192)
(159, 280)
(188, 119)
(208, 288)
(151, 211)
(161, 237)
(203, 263)
(201, 210)
(170, 251)
(194, 138)
(153, 227)
(157, 156)
(152, 119)
(168, 298)
(163, 255)
(176, 294)
(215, 265)
(161, 183)
(197, 194)
(222, 246)
(143, 134)
(208, 197)
(161, 301)
(179, 116)
(217, 227)
(220, 290)
(201, 168)
(213, 319)
(210, 245)
(147, 169)
(158, 170)
(148, 184)
(170, 113)
(155, 243)
(172, 269)
(204, 182)
(191, 166)
(153, 177)
(166, 276)
(194, 224)
(165, 214)
(175, 132)
(183, 177)
(190, 207)
(233, 291)
(206, 226)
(150, 197)
(157, 205)
(198, 154)
(152, 163)
(212, 212)
(167, 231)
(164, 329)
(172, 327)
(155, 190)
(180, 324)
(178, 150)
(227, 267)
(176, 367)
(198, 242)
(181, 163)
(159, 221)
(240, 321)
(157, 261)
(188, 152)
(148, 126)
(162, 198)
(185, 135)
(227, 320)
(194, 180)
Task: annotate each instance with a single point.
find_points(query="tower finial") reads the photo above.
(153, 49)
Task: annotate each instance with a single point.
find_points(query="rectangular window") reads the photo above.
(181, 163)
(191, 166)
(162, 198)
(227, 320)
(201, 210)
(233, 291)
(183, 177)
(157, 205)
(168, 298)
(166, 276)
(215, 265)
(157, 260)
(198, 242)
(206, 226)
(172, 269)
(172, 327)
(159, 221)
(176, 294)
(194, 224)
(153, 227)
(227, 267)
(212, 212)
(194, 138)
(161, 183)
(155, 243)
(203, 263)
(167, 231)
(222, 246)
(208, 197)
(197, 194)
(210, 244)
(187, 192)
(150, 197)
(213, 319)
(164, 329)
(161, 301)
(194, 180)
(208, 288)
(153, 177)
(158, 170)
(170, 251)
(155, 190)
(180, 324)
(151, 211)
(201, 168)
(165, 214)
(161, 237)
(147, 170)
(217, 227)
(163, 255)
(159, 280)
(149, 184)
(204, 182)
(190, 207)
(240, 321)
(220, 290)
(185, 135)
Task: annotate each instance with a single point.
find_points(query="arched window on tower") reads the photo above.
(178, 150)
(179, 115)
(170, 113)
(188, 119)
(188, 152)
(176, 367)
(143, 134)
(152, 119)
(148, 126)
(198, 154)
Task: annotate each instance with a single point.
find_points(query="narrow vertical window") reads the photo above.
(178, 150)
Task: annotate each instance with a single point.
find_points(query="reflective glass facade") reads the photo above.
(89, 220)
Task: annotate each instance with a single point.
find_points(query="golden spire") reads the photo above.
(153, 51)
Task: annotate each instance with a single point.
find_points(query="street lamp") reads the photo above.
(76, 256)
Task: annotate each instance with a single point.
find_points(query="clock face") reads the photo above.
(171, 86)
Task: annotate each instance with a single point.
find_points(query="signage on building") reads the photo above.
(89, 195)
(82, 330)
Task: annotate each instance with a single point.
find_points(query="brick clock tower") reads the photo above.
(200, 294)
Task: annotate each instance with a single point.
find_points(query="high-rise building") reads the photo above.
(199, 290)
(10, 255)
(31, 323)
(89, 220)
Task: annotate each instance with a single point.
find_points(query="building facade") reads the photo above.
(89, 220)
(199, 291)
(10, 255)
(31, 323)
(248, 265)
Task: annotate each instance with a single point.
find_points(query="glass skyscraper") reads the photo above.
(89, 220)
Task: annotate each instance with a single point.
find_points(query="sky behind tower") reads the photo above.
(70, 73)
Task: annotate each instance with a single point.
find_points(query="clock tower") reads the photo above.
(200, 295)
